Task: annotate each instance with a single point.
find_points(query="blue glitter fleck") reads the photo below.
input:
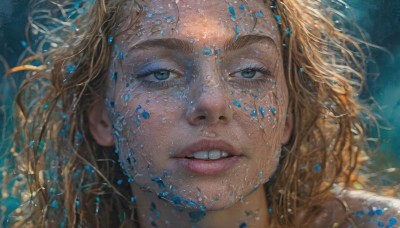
(379, 212)
(145, 114)
(77, 204)
(110, 40)
(243, 225)
(237, 32)
(277, 18)
(371, 212)
(89, 168)
(196, 216)
(262, 112)
(288, 32)
(207, 51)
(202, 208)
(236, 103)
(360, 214)
(120, 181)
(70, 68)
(273, 110)
(24, 43)
(127, 97)
(232, 11)
(120, 56)
(261, 14)
(260, 174)
(317, 168)
(176, 199)
(31, 143)
(270, 210)
(381, 224)
(241, 6)
(133, 199)
(254, 113)
(301, 70)
(392, 221)
(54, 204)
(149, 15)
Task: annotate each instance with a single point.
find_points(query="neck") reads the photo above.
(249, 212)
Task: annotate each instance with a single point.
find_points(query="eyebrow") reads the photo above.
(232, 44)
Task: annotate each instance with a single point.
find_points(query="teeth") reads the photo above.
(209, 155)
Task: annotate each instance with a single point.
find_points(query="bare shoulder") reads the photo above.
(368, 209)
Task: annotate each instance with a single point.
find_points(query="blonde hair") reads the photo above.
(73, 179)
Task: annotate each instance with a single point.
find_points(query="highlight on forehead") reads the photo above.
(234, 43)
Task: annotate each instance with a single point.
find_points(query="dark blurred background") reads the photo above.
(380, 21)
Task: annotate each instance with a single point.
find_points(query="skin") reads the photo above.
(199, 101)
(151, 120)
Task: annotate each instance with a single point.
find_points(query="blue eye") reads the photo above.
(248, 73)
(162, 75)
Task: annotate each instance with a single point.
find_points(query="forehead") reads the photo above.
(203, 22)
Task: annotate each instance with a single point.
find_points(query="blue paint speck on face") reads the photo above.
(392, 221)
(241, 6)
(253, 113)
(236, 103)
(149, 15)
(237, 32)
(360, 214)
(127, 97)
(261, 14)
(260, 174)
(137, 121)
(270, 210)
(120, 56)
(207, 51)
(138, 108)
(232, 11)
(145, 114)
(77, 204)
(272, 110)
(277, 18)
(262, 112)
(196, 216)
(243, 225)
(381, 224)
(202, 208)
(110, 39)
(301, 70)
(176, 200)
(371, 212)
(120, 181)
(317, 168)
(379, 212)
(133, 199)
(160, 182)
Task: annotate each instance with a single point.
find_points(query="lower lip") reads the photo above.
(208, 167)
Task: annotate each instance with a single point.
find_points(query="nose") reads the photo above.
(208, 106)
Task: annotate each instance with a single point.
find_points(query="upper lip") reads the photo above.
(207, 145)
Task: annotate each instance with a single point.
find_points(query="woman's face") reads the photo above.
(198, 100)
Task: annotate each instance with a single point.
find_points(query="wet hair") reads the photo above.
(73, 181)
